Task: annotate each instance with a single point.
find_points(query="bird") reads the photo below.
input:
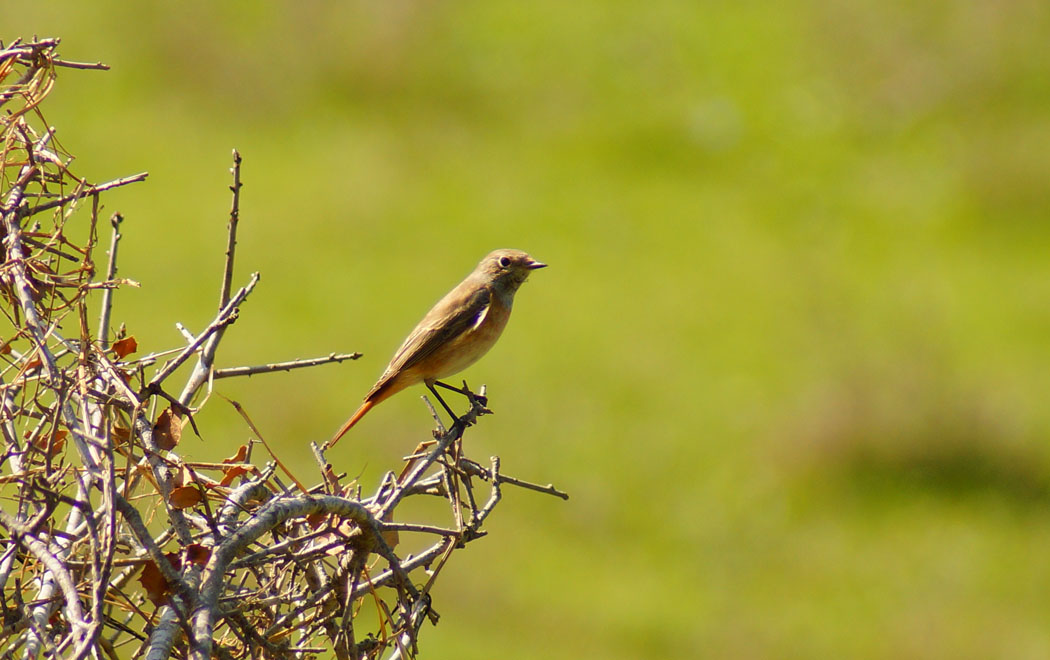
(457, 331)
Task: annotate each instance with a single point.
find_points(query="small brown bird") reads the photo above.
(455, 333)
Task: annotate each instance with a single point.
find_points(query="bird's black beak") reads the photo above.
(535, 264)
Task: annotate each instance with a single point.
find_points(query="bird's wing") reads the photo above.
(450, 317)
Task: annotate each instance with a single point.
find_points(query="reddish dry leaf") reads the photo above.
(120, 435)
(167, 430)
(314, 520)
(154, 583)
(125, 347)
(188, 476)
(197, 554)
(329, 475)
(152, 580)
(239, 457)
(52, 444)
(229, 474)
(184, 497)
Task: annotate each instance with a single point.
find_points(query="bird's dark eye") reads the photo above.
(504, 262)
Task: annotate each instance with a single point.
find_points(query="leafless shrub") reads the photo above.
(114, 546)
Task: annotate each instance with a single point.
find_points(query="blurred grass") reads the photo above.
(790, 357)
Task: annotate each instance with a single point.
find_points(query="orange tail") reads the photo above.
(365, 407)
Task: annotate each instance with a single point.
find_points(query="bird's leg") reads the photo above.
(465, 391)
(430, 386)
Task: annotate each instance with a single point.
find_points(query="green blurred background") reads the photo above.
(790, 358)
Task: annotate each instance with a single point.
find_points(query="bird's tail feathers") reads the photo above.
(365, 407)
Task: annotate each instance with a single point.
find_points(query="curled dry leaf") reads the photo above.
(167, 430)
(234, 471)
(329, 475)
(184, 497)
(231, 473)
(153, 581)
(197, 554)
(188, 476)
(239, 457)
(51, 444)
(125, 347)
(120, 435)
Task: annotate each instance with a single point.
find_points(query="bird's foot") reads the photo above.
(481, 399)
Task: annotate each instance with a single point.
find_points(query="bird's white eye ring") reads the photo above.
(504, 262)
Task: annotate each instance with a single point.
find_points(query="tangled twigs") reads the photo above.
(111, 545)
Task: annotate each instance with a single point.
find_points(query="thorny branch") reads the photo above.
(111, 545)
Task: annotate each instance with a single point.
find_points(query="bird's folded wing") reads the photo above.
(450, 317)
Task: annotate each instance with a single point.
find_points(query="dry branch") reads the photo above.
(111, 544)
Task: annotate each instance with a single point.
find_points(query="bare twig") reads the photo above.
(81, 65)
(231, 372)
(111, 272)
(25, 212)
(470, 467)
(231, 234)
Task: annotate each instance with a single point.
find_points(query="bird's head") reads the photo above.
(507, 268)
